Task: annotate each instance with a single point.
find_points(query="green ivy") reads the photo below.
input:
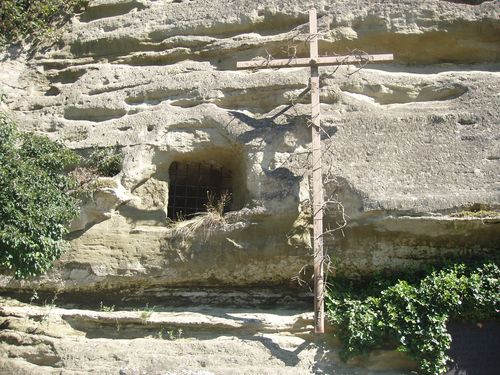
(412, 315)
(34, 205)
(22, 18)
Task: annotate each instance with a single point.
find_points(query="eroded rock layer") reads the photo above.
(405, 144)
(203, 341)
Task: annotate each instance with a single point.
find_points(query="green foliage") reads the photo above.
(480, 213)
(106, 161)
(147, 312)
(102, 162)
(169, 334)
(478, 210)
(34, 206)
(413, 315)
(22, 18)
(105, 308)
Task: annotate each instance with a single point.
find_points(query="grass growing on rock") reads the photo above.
(204, 223)
(478, 214)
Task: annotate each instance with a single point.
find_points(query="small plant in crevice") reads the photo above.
(477, 210)
(412, 314)
(34, 297)
(169, 334)
(216, 206)
(146, 313)
(118, 325)
(105, 308)
(102, 162)
(49, 305)
(52, 302)
(476, 214)
(106, 161)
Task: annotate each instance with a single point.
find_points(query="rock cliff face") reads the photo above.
(405, 144)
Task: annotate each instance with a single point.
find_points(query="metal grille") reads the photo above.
(191, 184)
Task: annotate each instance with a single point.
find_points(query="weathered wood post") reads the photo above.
(317, 179)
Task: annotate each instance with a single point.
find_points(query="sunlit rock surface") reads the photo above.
(200, 341)
(405, 144)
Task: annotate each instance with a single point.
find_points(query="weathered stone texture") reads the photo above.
(405, 144)
(203, 341)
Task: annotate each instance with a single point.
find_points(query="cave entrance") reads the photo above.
(200, 180)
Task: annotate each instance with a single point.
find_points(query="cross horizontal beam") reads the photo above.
(296, 62)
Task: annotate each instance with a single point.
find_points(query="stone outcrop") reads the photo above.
(406, 144)
(203, 341)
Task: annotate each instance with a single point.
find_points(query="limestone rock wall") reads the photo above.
(405, 144)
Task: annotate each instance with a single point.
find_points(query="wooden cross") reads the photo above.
(314, 61)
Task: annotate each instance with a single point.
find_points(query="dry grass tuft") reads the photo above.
(203, 224)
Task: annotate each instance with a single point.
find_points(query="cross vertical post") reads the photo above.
(317, 183)
(314, 62)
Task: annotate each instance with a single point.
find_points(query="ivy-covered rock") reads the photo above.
(35, 207)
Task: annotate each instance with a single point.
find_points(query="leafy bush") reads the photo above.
(413, 315)
(22, 18)
(102, 162)
(34, 205)
(106, 161)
